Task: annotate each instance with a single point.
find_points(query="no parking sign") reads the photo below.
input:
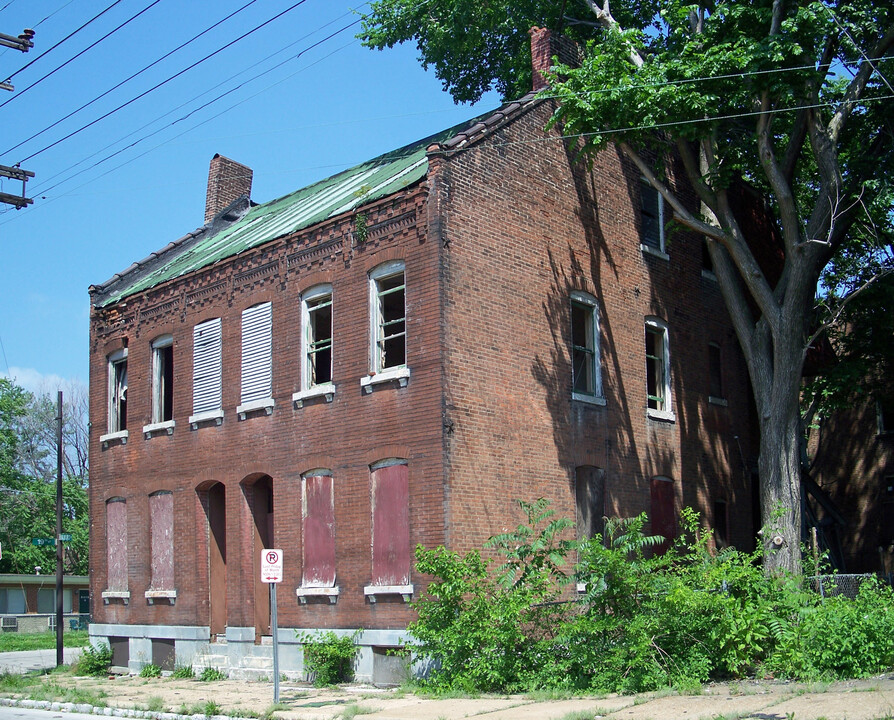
(271, 565)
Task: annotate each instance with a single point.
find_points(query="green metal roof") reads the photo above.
(328, 198)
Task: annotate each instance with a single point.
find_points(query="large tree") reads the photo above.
(775, 107)
(27, 480)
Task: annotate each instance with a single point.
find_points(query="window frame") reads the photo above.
(162, 385)
(116, 396)
(318, 536)
(207, 358)
(658, 249)
(378, 371)
(312, 301)
(715, 375)
(659, 364)
(587, 303)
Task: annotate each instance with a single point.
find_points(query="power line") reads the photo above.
(163, 82)
(45, 53)
(136, 74)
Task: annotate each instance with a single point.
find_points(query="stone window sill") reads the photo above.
(265, 404)
(153, 595)
(215, 416)
(589, 399)
(665, 415)
(108, 595)
(717, 401)
(326, 390)
(112, 437)
(400, 374)
(305, 592)
(167, 427)
(649, 250)
(372, 591)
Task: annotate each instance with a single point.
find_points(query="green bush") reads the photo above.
(150, 671)
(329, 657)
(95, 660)
(644, 621)
(211, 674)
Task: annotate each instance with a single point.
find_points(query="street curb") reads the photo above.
(107, 711)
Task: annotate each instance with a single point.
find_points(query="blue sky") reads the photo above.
(289, 101)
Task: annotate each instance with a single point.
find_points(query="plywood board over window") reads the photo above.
(161, 516)
(116, 543)
(318, 531)
(391, 525)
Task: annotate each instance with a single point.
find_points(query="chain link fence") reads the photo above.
(833, 585)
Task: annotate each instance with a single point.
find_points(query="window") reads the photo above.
(721, 524)
(389, 317)
(589, 492)
(318, 535)
(651, 219)
(389, 490)
(257, 358)
(161, 530)
(585, 367)
(715, 375)
(163, 379)
(316, 309)
(885, 409)
(206, 397)
(118, 391)
(663, 515)
(658, 370)
(116, 547)
(12, 601)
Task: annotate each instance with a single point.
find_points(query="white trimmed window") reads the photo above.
(207, 386)
(658, 391)
(316, 318)
(389, 322)
(118, 391)
(163, 379)
(257, 355)
(586, 373)
(651, 219)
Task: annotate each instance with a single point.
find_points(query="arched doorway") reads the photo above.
(213, 498)
(258, 491)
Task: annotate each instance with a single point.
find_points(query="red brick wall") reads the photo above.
(356, 429)
(524, 226)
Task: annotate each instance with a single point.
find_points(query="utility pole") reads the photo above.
(23, 43)
(60, 655)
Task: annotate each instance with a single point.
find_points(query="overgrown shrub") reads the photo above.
(95, 660)
(644, 621)
(328, 657)
(183, 672)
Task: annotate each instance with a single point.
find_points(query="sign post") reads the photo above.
(271, 572)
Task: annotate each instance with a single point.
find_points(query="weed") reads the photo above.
(155, 703)
(211, 708)
(328, 657)
(95, 660)
(183, 672)
(150, 671)
(353, 710)
(211, 674)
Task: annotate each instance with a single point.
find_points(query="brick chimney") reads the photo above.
(227, 180)
(544, 47)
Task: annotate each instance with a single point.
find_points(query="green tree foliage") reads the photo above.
(28, 488)
(779, 113)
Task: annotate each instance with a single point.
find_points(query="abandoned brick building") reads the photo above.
(390, 357)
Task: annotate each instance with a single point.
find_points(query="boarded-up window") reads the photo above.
(116, 543)
(318, 529)
(257, 351)
(663, 516)
(589, 490)
(206, 367)
(161, 520)
(391, 525)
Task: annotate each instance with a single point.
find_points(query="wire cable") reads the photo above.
(162, 83)
(67, 37)
(127, 80)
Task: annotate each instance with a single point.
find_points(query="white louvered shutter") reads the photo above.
(206, 394)
(257, 351)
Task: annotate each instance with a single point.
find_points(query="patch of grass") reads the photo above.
(548, 694)
(579, 715)
(211, 708)
(155, 703)
(210, 674)
(14, 642)
(353, 710)
(55, 692)
(183, 672)
(150, 671)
